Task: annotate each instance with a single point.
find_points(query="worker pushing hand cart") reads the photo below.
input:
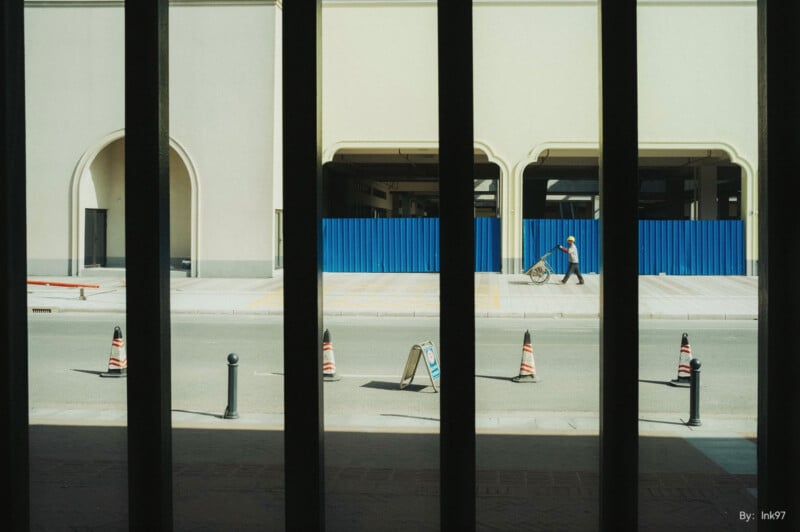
(540, 270)
(572, 252)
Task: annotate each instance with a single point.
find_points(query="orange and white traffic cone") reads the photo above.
(117, 359)
(328, 361)
(527, 369)
(684, 369)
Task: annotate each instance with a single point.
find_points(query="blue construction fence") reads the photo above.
(539, 237)
(673, 247)
(399, 244)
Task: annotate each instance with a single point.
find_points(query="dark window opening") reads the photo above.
(676, 188)
(398, 185)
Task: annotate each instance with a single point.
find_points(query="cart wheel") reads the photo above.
(539, 276)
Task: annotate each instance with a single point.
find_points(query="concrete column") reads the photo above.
(304, 433)
(779, 235)
(15, 466)
(511, 228)
(619, 316)
(147, 272)
(457, 271)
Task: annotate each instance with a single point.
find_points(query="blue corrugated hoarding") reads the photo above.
(380, 244)
(672, 247)
(691, 247)
(399, 244)
(487, 244)
(540, 235)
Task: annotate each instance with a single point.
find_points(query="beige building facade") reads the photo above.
(536, 107)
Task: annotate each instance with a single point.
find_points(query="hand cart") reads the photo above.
(540, 270)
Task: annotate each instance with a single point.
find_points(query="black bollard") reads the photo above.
(233, 364)
(694, 394)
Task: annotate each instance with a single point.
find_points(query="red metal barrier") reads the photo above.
(67, 285)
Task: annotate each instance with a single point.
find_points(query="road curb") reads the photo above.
(52, 309)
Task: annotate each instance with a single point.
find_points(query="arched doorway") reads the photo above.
(685, 195)
(401, 183)
(99, 213)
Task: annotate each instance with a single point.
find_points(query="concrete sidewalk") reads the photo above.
(417, 294)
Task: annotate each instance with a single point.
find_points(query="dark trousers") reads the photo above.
(573, 268)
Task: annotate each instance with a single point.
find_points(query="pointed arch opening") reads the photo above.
(98, 234)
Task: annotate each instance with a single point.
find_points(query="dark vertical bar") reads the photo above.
(778, 252)
(619, 268)
(457, 274)
(13, 273)
(147, 264)
(302, 277)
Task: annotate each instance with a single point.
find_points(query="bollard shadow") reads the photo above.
(209, 414)
(395, 386)
(665, 383)
(436, 419)
(663, 422)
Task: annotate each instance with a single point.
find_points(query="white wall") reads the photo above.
(536, 83)
(698, 87)
(698, 74)
(222, 91)
(222, 104)
(74, 78)
(535, 76)
(378, 74)
(536, 72)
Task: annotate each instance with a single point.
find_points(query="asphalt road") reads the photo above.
(69, 351)
(234, 478)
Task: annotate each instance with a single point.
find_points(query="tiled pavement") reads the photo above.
(233, 480)
(417, 294)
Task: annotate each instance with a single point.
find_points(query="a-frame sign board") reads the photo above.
(427, 351)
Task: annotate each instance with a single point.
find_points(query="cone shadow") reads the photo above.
(495, 377)
(89, 371)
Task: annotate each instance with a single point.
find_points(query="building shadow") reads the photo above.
(234, 480)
